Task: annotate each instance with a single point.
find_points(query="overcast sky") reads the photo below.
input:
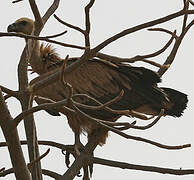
(108, 18)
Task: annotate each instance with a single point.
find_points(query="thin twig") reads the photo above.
(69, 25)
(56, 35)
(129, 125)
(172, 54)
(16, 1)
(161, 50)
(30, 165)
(2, 169)
(130, 113)
(97, 121)
(165, 30)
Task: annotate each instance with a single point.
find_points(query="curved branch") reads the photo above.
(136, 138)
(172, 54)
(46, 172)
(140, 27)
(56, 35)
(131, 125)
(164, 30)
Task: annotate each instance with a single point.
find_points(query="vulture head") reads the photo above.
(22, 25)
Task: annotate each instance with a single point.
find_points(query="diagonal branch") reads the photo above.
(177, 44)
(69, 25)
(140, 27)
(45, 106)
(9, 92)
(50, 11)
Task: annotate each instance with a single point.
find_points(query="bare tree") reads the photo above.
(28, 92)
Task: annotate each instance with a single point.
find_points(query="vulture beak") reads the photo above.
(12, 28)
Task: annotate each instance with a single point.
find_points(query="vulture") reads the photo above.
(102, 80)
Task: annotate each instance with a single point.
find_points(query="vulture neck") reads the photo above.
(35, 61)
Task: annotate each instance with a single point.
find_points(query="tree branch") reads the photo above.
(124, 165)
(2, 34)
(69, 25)
(140, 27)
(12, 139)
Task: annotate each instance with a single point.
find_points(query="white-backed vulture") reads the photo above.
(103, 81)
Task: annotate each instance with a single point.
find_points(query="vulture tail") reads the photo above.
(179, 101)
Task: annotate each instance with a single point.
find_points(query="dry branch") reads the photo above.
(44, 106)
(12, 139)
(69, 25)
(2, 34)
(140, 27)
(124, 165)
(122, 134)
(9, 92)
(46, 172)
(16, 1)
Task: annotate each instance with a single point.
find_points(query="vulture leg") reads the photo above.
(78, 145)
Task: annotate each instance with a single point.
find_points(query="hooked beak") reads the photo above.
(12, 28)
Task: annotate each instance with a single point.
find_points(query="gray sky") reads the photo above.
(108, 18)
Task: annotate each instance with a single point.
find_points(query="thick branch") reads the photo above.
(38, 20)
(12, 139)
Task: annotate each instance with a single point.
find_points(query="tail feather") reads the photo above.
(179, 101)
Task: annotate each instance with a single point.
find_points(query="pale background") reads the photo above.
(108, 18)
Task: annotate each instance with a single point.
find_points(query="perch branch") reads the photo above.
(2, 34)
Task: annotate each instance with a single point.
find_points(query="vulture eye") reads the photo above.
(23, 23)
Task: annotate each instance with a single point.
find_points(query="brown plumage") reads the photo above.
(103, 81)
